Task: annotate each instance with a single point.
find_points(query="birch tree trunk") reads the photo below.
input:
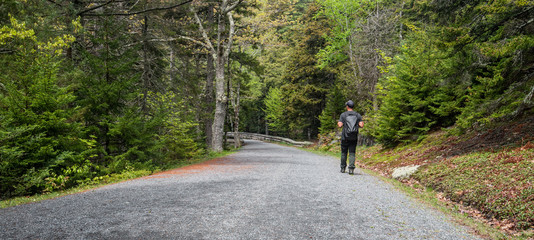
(209, 99)
(220, 52)
(220, 106)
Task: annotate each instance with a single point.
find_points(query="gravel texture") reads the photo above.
(265, 191)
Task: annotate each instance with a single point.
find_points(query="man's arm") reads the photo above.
(339, 124)
(360, 124)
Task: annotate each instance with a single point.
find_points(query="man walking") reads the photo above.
(350, 121)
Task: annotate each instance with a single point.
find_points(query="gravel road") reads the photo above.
(264, 191)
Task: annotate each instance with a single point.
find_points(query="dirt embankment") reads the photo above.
(505, 135)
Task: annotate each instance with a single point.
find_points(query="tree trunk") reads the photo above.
(146, 65)
(237, 140)
(209, 100)
(220, 107)
(210, 77)
(220, 53)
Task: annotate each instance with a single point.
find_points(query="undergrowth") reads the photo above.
(499, 184)
(127, 174)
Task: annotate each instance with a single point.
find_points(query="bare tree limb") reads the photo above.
(170, 40)
(133, 5)
(143, 11)
(95, 7)
(6, 51)
(194, 41)
(223, 5)
(230, 35)
(205, 35)
(232, 7)
(528, 98)
(525, 105)
(526, 23)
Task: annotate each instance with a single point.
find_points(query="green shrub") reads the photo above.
(39, 137)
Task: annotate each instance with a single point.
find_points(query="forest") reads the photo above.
(91, 88)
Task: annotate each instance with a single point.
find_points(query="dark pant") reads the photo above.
(348, 146)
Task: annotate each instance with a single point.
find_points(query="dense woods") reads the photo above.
(94, 88)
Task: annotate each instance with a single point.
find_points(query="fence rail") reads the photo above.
(263, 137)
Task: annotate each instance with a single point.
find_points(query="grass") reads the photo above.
(107, 180)
(497, 184)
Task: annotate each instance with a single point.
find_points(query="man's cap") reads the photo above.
(350, 104)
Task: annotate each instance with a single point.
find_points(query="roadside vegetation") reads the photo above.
(126, 174)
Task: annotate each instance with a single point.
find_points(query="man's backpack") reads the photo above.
(352, 127)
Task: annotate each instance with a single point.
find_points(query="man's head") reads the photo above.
(349, 104)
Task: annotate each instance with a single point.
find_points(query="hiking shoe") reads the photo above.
(342, 170)
(351, 171)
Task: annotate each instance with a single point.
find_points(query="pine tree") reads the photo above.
(306, 85)
(40, 132)
(335, 103)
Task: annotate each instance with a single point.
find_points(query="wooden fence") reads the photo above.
(263, 137)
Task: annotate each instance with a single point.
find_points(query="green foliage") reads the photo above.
(275, 111)
(345, 14)
(305, 85)
(68, 123)
(114, 108)
(335, 103)
(456, 68)
(39, 137)
(417, 93)
(176, 129)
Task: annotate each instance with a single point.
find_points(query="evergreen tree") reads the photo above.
(335, 103)
(306, 85)
(416, 93)
(40, 131)
(275, 111)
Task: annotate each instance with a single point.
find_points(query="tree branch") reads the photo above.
(526, 23)
(143, 11)
(194, 41)
(55, 3)
(230, 35)
(232, 7)
(528, 98)
(170, 40)
(6, 51)
(94, 8)
(204, 35)
(525, 104)
(223, 6)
